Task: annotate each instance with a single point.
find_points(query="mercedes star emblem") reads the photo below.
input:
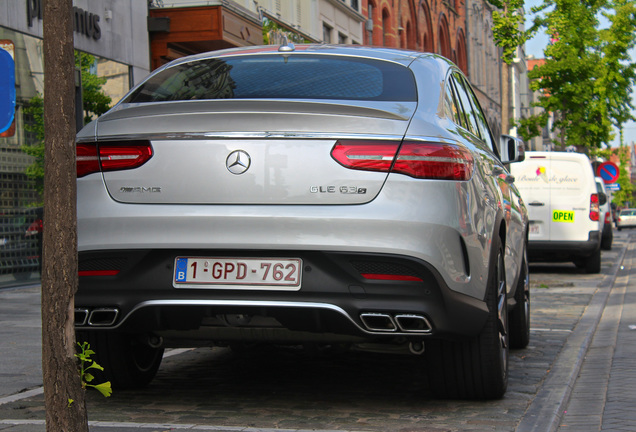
(238, 162)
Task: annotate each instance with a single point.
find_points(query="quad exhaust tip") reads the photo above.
(407, 323)
(413, 323)
(378, 322)
(102, 317)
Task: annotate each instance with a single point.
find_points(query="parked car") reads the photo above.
(327, 195)
(607, 235)
(626, 219)
(564, 207)
(19, 251)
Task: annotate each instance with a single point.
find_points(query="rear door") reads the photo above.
(573, 184)
(532, 180)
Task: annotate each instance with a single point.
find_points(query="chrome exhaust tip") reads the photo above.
(103, 317)
(81, 317)
(378, 322)
(413, 323)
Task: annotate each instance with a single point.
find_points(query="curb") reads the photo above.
(546, 410)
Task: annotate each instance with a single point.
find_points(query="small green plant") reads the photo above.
(84, 356)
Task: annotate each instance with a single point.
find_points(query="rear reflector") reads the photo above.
(93, 157)
(422, 160)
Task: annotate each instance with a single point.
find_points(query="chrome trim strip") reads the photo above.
(301, 305)
(251, 135)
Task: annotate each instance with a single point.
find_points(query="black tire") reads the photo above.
(475, 368)
(127, 362)
(593, 263)
(608, 238)
(520, 315)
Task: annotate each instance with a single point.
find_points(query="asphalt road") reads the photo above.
(266, 388)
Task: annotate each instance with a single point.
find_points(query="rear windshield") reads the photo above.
(628, 213)
(280, 76)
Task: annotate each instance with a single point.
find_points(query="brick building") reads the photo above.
(437, 26)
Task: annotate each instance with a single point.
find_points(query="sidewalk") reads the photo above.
(604, 394)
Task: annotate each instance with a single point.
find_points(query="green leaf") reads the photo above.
(94, 365)
(104, 388)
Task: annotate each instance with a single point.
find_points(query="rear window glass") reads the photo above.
(280, 76)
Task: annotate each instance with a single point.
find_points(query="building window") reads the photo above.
(354, 4)
(342, 39)
(326, 33)
(369, 24)
(386, 26)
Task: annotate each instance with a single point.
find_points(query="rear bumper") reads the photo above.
(333, 301)
(564, 250)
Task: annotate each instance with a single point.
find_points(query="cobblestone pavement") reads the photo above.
(604, 396)
(267, 389)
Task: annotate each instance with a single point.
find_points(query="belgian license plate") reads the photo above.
(238, 273)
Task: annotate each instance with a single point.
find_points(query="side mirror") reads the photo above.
(512, 149)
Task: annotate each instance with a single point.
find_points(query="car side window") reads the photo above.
(450, 105)
(482, 124)
(471, 122)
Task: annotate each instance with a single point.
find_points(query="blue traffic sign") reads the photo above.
(608, 171)
(7, 90)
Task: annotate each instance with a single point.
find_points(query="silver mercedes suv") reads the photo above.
(303, 195)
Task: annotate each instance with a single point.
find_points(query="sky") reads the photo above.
(535, 47)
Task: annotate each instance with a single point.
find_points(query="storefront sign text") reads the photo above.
(84, 22)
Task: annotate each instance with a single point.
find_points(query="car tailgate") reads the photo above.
(281, 151)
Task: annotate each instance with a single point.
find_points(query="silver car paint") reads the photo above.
(419, 218)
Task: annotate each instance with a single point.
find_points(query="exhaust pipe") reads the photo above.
(413, 323)
(378, 322)
(154, 341)
(103, 317)
(81, 316)
(416, 348)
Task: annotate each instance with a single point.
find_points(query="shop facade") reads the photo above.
(114, 33)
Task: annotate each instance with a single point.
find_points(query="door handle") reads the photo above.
(536, 204)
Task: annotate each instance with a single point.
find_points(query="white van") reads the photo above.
(560, 192)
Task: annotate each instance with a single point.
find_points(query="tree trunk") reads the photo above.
(505, 98)
(59, 271)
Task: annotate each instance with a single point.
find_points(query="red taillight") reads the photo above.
(434, 161)
(112, 157)
(420, 160)
(376, 276)
(594, 209)
(365, 155)
(34, 229)
(87, 161)
(608, 217)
